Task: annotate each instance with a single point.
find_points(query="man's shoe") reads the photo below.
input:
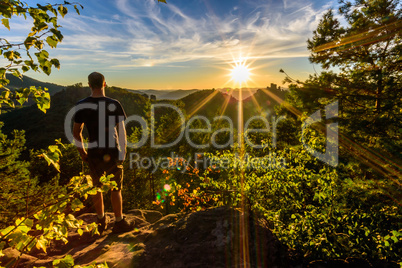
(102, 224)
(123, 226)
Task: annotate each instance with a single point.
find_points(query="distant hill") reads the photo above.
(210, 103)
(26, 81)
(165, 94)
(177, 94)
(263, 101)
(235, 93)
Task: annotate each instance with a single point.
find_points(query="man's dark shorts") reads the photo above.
(102, 162)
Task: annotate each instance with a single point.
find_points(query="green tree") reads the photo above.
(364, 42)
(363, 45)
(16, 187)
(367, 49)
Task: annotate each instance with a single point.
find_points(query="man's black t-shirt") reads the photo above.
(100, 116)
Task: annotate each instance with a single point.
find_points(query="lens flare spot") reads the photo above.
(167, 187)
(106, 158)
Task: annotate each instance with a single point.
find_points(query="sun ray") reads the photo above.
(225, 104)
(201, 103)
(259, 108)
(363, 38)
(197, 107)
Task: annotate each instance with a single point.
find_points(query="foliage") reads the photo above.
(45, 31)
(16, 182)
(365, 209)
(68, 261)
(367, 50)
(319, 211)
(46, 210)
(52, 219)
(22, 56)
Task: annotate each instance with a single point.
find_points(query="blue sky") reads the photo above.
(185, 44)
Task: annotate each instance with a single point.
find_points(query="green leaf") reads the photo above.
(54, 149)
(5, 22)
(42, 55)
(29, 41)
(62, 10)
(76, 205)
(16, 73)
(93, 191)
(23, 228)
(396, 233)
(18, 240)
(51, 159)
(80, 231)
(9, 55)
(42, 26)
(25, 68)
(29, 223)
(43, 101)
(2, 73)
(51, 41)
(7, 230)
(5, 94)
(66, 262)
(46, 67)
(41, 243)
(57, 34)
(55, 63)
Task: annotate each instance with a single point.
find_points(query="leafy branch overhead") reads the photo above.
(30, 53)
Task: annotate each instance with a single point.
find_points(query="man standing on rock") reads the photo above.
(104, 119)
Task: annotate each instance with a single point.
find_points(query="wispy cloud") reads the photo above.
(160, 37)
(145, 33)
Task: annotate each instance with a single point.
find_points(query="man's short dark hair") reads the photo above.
(96, 80)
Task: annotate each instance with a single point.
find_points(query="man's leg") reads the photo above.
(121, 225)
(95, 170)
(98, 204)
(100, 212)
(116, 197)
(117, 204)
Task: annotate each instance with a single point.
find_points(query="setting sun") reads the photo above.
(240, 73)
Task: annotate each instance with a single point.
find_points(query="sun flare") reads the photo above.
(240, 73)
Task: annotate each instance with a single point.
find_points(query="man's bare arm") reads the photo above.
(78, 142)
(121, 129)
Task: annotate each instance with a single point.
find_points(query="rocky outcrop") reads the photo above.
(217, 237)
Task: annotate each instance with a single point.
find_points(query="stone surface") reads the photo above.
(218, 237)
